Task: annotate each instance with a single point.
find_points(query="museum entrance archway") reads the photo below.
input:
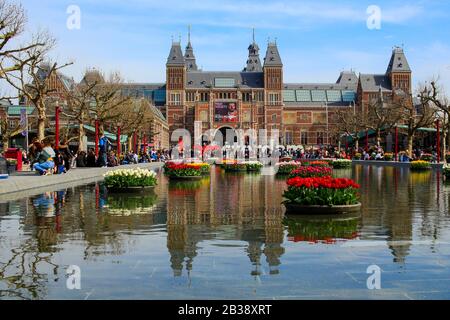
(225, 136)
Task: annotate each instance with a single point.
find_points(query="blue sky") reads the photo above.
(316, 39)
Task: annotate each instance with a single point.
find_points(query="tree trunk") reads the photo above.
(41, 121)
(378, 137)
(5, 142)
(410, 145)
(41, 129)
(81, 134)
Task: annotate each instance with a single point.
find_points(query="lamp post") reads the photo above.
(328, 125)
(96, 135)
(145, 143)
(438, 141)
(396, 143)
(119, 141)
(135, 142)
(57, 112)
(367, 140)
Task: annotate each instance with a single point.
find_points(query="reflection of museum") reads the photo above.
(239, 210)
(257, 97)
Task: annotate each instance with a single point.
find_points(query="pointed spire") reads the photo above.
(398, 62)
(189, 33)
(272, 58)
(176, 55)
(253, 61)
(189, 57)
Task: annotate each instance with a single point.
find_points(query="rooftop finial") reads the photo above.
(253, 34)
(189, 33)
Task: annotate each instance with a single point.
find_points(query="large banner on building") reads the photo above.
(226, 112)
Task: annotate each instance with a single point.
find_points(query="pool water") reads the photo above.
(227, 237)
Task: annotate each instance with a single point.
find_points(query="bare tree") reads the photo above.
(107, 101)
(79, 100)
(435, 95)
(9, 129)
(349, 123)
(32, 80)
(382, 114)
(12, 24)
(415, 115)
(136, 116)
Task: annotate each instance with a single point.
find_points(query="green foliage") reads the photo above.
(125, 178)
(301, 229)
(321, 196)
(254, 166)
(341, 164)
(235, 167)
(420, 165)
(287, 168)
(388, 157)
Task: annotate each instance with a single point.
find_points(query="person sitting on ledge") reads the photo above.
(45, 159)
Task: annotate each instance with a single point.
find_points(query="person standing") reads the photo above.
(103, 151)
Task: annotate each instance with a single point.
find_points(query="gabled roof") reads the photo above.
(92, 76)
(398, 62)
(348, 78)
(43, 73)
(373, 82)
(272, 58)
(176, 57)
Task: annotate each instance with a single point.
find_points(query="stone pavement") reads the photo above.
(29, 182)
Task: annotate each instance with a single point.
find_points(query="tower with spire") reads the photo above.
(189, 57)
(253, 61)
(175, 86)
(399, 72)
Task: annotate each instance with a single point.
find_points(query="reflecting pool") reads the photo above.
(227, 237)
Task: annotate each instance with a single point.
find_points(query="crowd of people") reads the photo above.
(44, 159)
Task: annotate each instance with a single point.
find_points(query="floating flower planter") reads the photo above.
(236, 167)
(254, 166)
(293, 208)
(341, 164)
(311, 172)
(225, 162)
(420, 165)
(184, 171)
(285, 168)
(130, 180)
(321, 195)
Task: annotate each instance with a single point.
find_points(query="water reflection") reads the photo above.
(182, 225)
(229, 206)
(321, 229)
